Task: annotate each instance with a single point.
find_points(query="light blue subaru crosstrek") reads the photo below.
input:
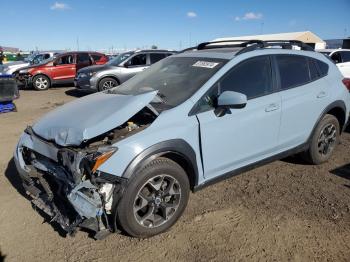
(127, 158)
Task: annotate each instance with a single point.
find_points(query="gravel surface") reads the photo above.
(283, 211)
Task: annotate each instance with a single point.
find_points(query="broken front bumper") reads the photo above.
(55, 188)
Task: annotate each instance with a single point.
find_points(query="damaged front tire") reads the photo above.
(154, 199)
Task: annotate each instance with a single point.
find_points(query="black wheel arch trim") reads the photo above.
(333, 105)
(174, 146)
(106, 76)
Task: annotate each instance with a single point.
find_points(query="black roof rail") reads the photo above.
(250, 45)
(284, 44)
(240, 43)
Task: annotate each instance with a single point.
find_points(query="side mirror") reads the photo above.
(126, 65)
(231, 99)
(54, 63)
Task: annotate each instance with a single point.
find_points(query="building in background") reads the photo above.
(307, 37)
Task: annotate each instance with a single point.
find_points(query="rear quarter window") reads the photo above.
(96, 57)
(322, 67)
(293, 70)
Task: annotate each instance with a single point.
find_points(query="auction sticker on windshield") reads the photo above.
(205, 64)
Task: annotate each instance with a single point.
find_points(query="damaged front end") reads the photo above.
(64, 181)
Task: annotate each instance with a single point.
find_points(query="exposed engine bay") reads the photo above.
(69, 188)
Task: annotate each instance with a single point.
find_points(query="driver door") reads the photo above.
(64, 68)
(246, 135)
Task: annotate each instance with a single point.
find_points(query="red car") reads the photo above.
(58, 69)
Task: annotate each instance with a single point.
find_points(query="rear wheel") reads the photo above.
(41, 82)
(107, 83)
(154, 199)
(324, 140)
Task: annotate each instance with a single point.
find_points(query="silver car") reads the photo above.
(118, 70)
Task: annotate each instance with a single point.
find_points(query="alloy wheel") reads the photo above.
(327, 139)
(108, 84)
(41, 83)
(157, 201)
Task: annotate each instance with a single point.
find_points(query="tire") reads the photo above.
(142, 215)
(323, 141)
(41, 82)
(107, 83)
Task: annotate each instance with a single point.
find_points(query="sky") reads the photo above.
(174, 24)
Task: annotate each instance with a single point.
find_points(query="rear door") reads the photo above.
(83, 60)
(304, 96)
(155, 57)
(64, 67)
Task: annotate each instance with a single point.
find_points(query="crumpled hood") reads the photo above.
(90, 116)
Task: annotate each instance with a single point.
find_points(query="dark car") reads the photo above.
(58, 69)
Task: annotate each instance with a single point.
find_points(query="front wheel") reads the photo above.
(41, 82)
(154, 199)
(107, 83)
(324, 140)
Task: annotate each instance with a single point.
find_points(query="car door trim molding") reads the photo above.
(251, 166)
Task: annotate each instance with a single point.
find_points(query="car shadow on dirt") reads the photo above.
(14, 178)
(342, 171)
(77, 93)
(2, 257)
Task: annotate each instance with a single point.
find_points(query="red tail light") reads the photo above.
(346, 82)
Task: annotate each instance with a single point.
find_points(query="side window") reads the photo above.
(322, 68)
(345, 56)
(96, 57)
(46, 56)
(65, 60)
(293, 69)
(251, 77)
(155, 57)
(138, 60)
(83, 58)
(313, 69)
(336, 57)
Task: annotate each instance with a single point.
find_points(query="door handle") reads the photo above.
(271, 107)
(321, 94)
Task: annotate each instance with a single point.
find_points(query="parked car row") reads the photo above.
(128, 157)
(87, 70)
(59, 69)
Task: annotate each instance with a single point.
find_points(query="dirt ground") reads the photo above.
(284, 211)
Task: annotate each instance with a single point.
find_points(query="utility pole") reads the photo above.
(262, 28)
(77, 43)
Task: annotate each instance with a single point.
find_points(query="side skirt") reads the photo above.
(241, 170)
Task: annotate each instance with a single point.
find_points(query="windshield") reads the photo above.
(119, 58)
(175, 78)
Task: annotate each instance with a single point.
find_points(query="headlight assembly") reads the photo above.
(23, 71)
(102, 155)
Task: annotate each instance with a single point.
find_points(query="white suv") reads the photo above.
(341, 57)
